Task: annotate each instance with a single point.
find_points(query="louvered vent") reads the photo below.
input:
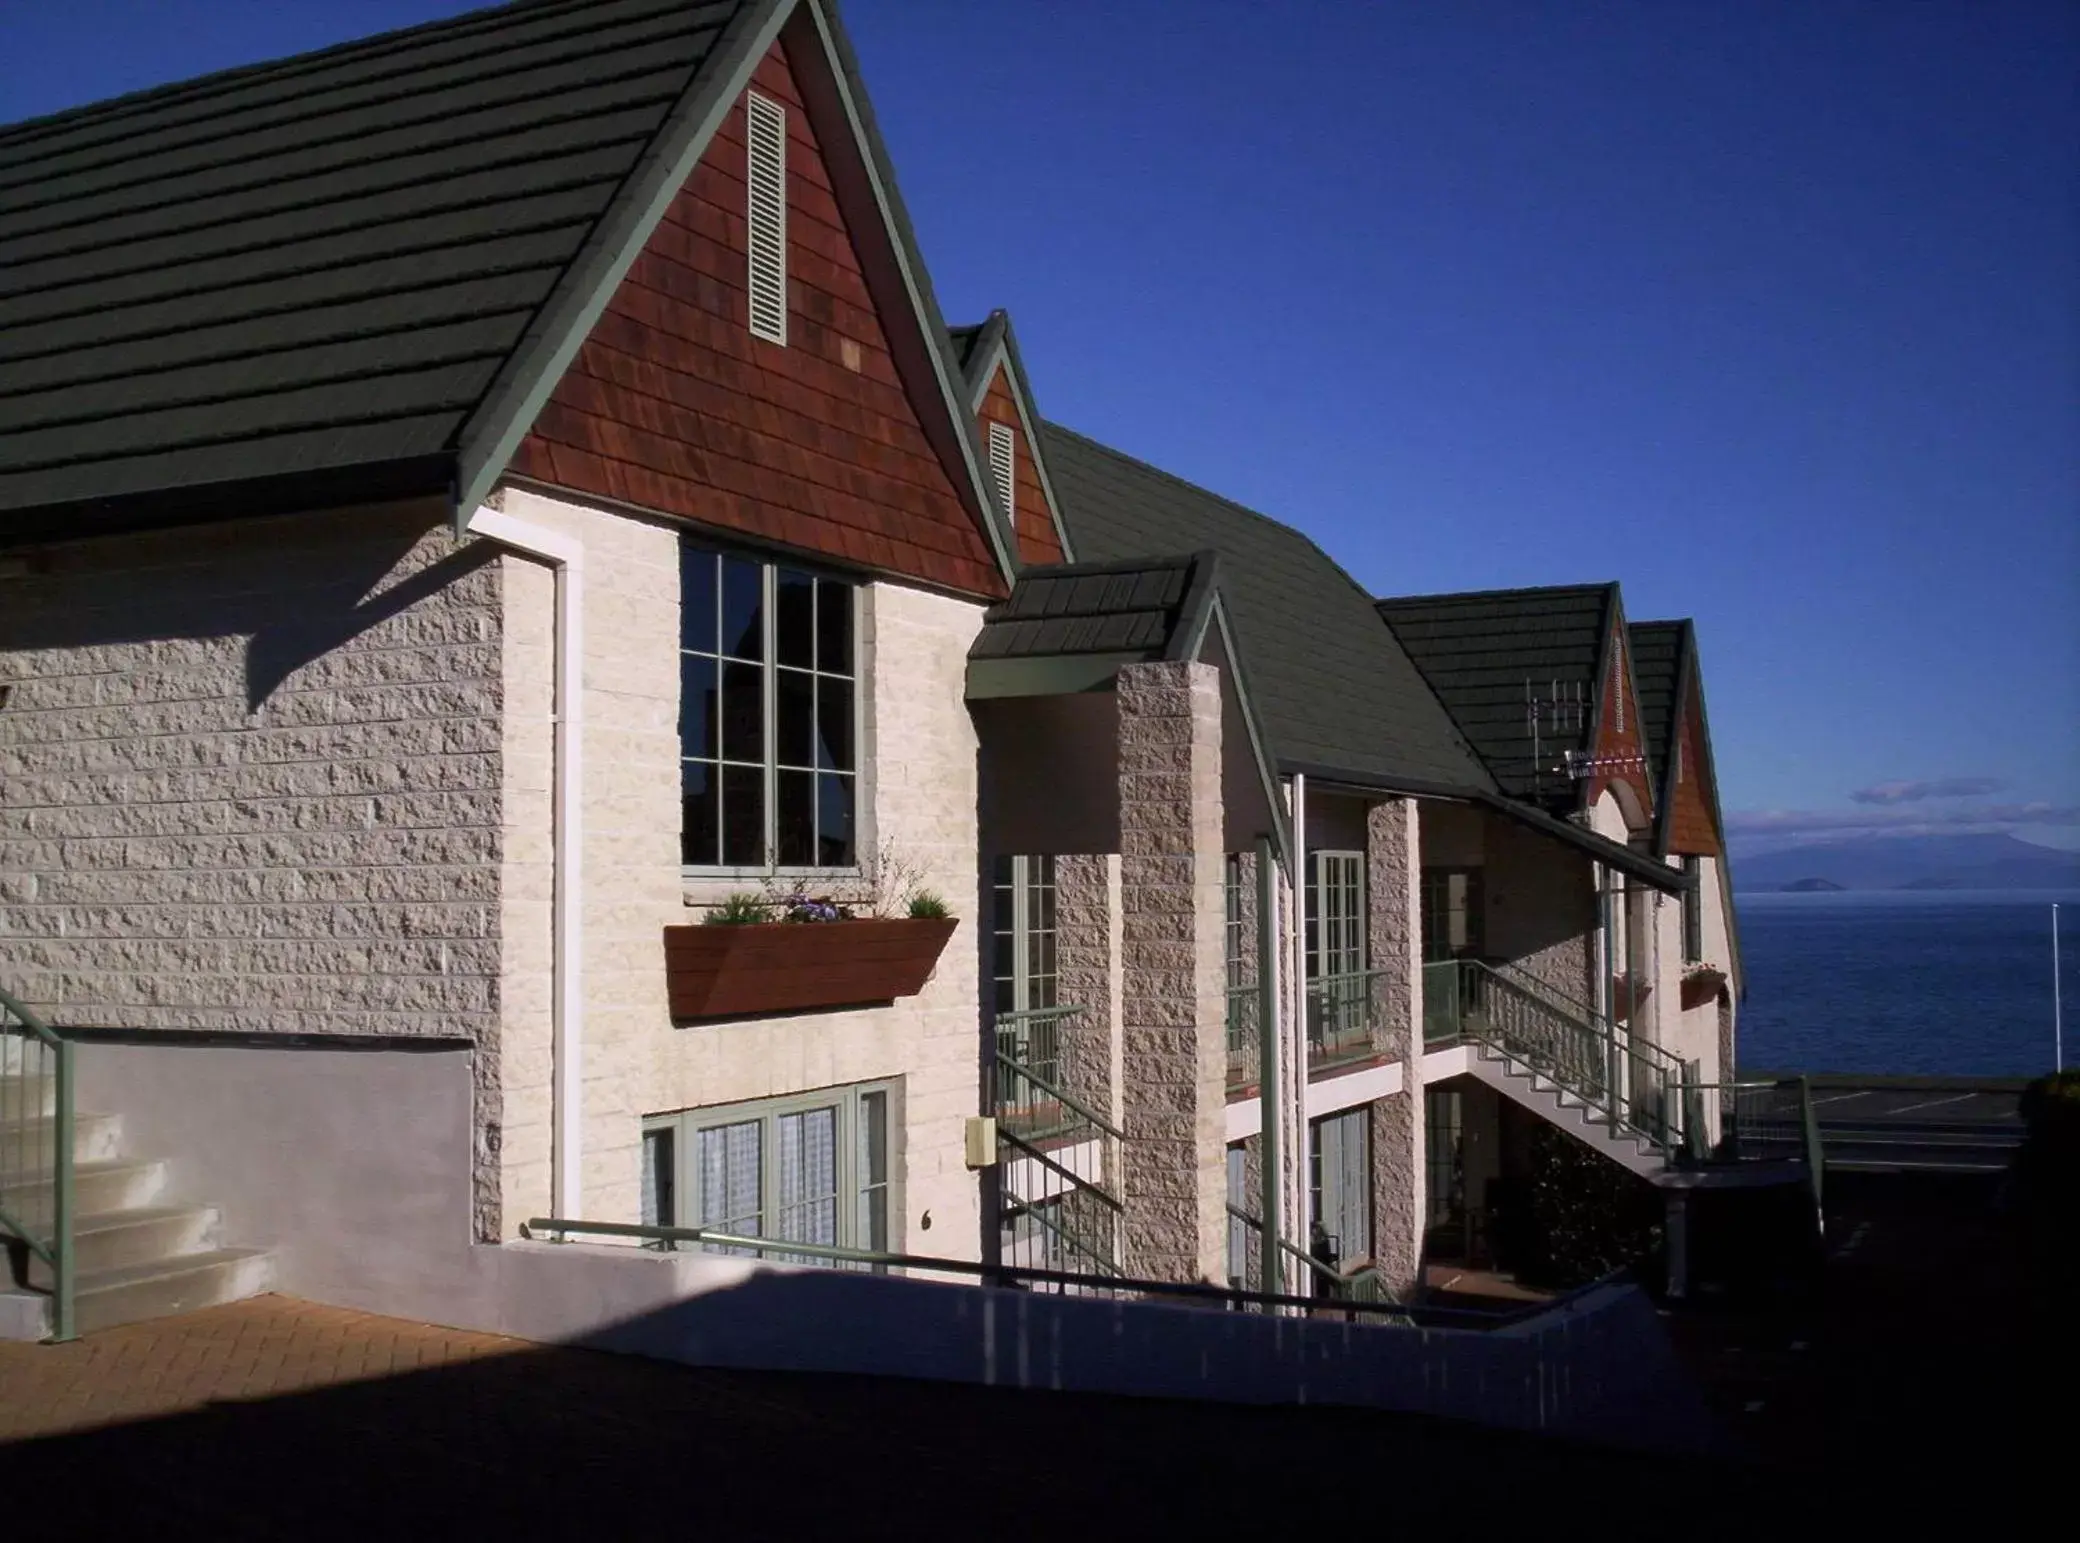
(766, 130)
(1003, 463)
(1618, 679)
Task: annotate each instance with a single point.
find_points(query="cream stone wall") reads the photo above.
(250, 782)
(918, 798)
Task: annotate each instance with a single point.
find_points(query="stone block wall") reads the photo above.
(1087, 974)
(1393, 858)
(1172, 1031)
(251, 782)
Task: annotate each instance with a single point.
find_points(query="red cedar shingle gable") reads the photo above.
(1692, 830)
(672, 405)
(1620, 744)
(1038, 539)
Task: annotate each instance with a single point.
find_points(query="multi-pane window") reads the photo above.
(1024, 933)
(1454, 914)
(1693, 910)
(768, 714)
(1232, 922)
(1239, 1232)
(813, 1168)
(1336, 919)
(1444, 1166)
(1340, 1184)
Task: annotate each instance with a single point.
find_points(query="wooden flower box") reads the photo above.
(791, 967)
(1621, 995)
(1702, 987)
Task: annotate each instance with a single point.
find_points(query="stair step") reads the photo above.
(115, 1184)
(113, 1240)
(164, 1287)
(28, 1142)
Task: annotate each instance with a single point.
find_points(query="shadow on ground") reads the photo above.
(1903, 1388)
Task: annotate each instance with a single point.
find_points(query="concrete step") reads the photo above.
(167, 1286)
(114, 1240)
(115, 1184)
(24, 1097)
(28, 1143)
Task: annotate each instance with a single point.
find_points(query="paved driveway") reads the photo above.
(278, 1419)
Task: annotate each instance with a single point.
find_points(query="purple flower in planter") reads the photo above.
(804, 908)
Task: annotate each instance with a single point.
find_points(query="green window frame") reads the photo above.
(1454, 914)
(811, 1167)
(1339, 1183)
(771, 716)
(1336, 942)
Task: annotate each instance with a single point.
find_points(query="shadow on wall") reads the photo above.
(288, 624)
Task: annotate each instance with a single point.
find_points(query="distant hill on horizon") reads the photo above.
(1910, 862)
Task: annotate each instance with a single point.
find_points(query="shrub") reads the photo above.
(926, 906)
(739, 910)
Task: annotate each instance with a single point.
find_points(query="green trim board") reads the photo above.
(980, 350)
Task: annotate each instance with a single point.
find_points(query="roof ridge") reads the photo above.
(82, 112)
(1597, 587)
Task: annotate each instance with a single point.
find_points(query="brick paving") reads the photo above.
(259, 1349)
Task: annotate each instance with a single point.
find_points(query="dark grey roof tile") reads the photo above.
(1332, 688)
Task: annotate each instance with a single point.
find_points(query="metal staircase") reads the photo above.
(1057, 1157)
(1624, 1096)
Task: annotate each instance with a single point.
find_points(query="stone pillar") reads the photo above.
(1394, 921)
(1172, 1032)
(1086, 975)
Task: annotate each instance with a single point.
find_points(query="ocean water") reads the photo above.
(1928, 981)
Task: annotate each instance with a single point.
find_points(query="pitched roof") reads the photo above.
(1334, 692)
(1657, 661)
(1488, 653)
(325, 263)
(1144, 606)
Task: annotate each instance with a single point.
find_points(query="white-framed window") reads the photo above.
(765, 182)
(807, 1168)
(769, 715)
(1339, 1179)
(1023, 923)
(1233, 925)
(1003, 468)
(1336, 915)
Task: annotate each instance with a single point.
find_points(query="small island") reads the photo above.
(1813, 887)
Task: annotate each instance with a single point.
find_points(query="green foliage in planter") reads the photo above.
(926, 906)
(739, 910)
(1587, 1216)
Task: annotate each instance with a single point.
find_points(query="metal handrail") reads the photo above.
(1066, 1100)
(1345, 1282)
(1076, 1180)
(1172, 1292)
(44, 1225)
(1594, 1062)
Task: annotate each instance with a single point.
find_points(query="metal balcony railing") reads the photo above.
(1243, 1044)
(1057, 1156)
(1342, 1018)
(36, 1141)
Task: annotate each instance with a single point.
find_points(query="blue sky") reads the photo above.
(1771, 312)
